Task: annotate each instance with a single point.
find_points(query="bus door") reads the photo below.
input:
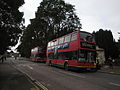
(86, 56)
(61, 58)
(55, 56)
(73, 57)
(91, 56)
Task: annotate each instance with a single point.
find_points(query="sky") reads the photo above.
(93, 14)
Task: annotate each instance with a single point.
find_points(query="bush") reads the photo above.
(117, 62)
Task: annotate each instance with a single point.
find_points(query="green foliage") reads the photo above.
(118, 46)
(10, 23)
(54, 18)
(104, 39)
(59, 16)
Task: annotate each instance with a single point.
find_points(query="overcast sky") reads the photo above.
(94, 14)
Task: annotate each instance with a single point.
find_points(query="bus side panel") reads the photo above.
(73, 45)
(41, 60)
(81, 64)
(53, 61)
(33, 59)
(60, 62)
(72, 62)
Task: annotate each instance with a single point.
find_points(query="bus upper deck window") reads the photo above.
(74, 37)
(49, 44)
(67, 38)
(52, 43)
(56, 42)
(61, 40)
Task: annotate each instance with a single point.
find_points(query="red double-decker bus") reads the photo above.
(38, 54)
(74, 50)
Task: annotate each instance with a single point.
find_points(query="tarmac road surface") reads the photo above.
(52, 78)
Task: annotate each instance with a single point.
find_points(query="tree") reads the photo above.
(27, 42)
(118, 44)
(10, 23)
(54, 18)
(104, 39)
(58, 17)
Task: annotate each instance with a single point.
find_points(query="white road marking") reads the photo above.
(26, 66)
(29, 67)
(80, 76)
(115, 84)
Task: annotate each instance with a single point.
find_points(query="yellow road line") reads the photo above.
(28, 76)
(35, 81)
(33, 89)
(42, 86)
(36, 88)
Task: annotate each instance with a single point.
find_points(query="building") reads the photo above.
(100, 55)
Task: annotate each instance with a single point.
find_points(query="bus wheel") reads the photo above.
(66, 67)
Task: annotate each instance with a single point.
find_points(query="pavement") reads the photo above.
(12, 79)
(106, 69)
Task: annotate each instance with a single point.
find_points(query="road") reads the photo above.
(53, 78)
